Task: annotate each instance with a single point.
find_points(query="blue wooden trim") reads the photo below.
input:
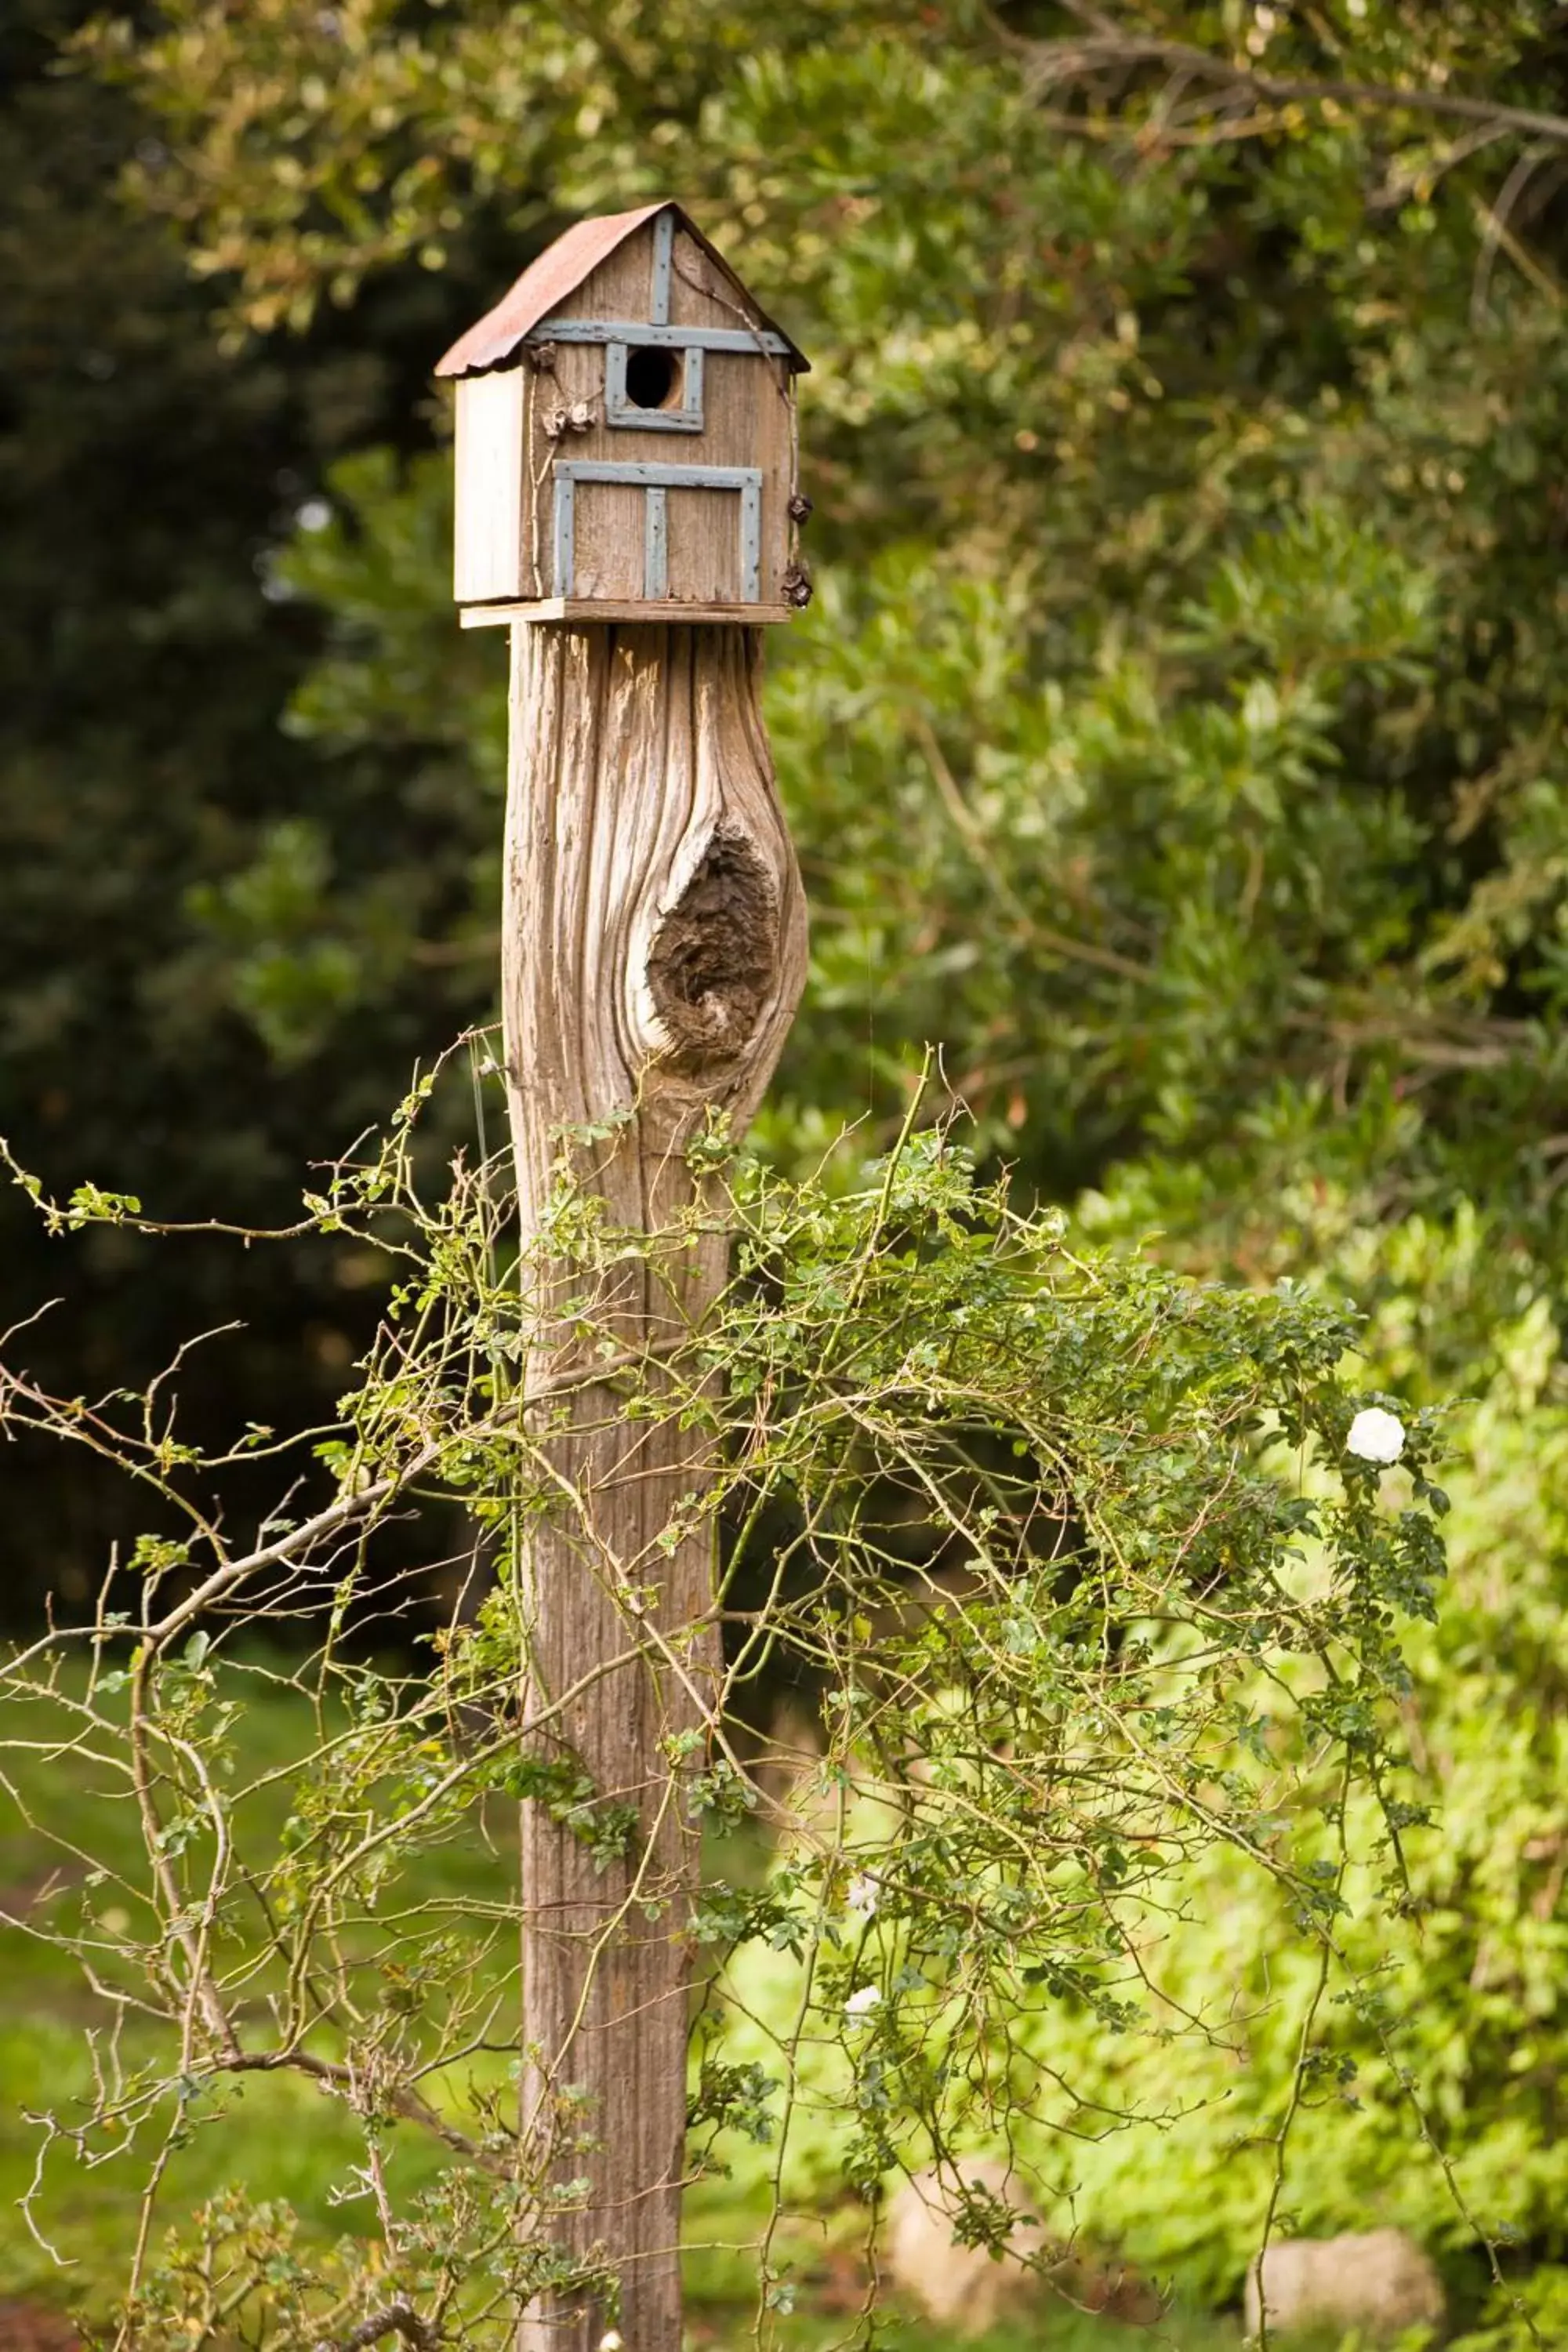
(655, 543)
(667, 477)
(751, 539)
(643, 331)
(564, 537)
(663, 254)
(620, 411)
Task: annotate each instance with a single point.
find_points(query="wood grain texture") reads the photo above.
(609, 538)
(654, 949)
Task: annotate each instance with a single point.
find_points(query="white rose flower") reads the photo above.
(1376, 1436)
(861, 1898)
(860, 2003)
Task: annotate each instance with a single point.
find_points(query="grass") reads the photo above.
(280, 2138)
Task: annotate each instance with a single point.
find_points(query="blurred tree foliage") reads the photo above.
(148, 802)
(1177, 736)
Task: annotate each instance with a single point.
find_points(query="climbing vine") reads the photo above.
(1043, 1573)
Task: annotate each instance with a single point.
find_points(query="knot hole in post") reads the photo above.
(714, 960)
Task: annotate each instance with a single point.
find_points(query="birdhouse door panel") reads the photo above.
(656, 533)
(607, 557)
(704, 548)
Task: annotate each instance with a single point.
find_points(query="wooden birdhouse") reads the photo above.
(625, 423)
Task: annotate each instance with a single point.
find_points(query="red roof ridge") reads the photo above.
(558, 272)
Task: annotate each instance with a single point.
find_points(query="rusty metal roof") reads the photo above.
(548, 282)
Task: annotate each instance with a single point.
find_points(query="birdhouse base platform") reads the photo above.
(591, 608)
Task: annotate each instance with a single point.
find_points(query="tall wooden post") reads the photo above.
(653, 951)
(654, 954)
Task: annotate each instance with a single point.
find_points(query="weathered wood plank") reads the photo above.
(492, 498)
(610, 542)
(578, 608)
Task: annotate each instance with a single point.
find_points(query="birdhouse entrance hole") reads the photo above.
(653, 376)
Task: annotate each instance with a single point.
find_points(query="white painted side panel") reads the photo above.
(491, 483)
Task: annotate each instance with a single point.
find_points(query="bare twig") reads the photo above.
(1048, 63)
(393, 2319)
